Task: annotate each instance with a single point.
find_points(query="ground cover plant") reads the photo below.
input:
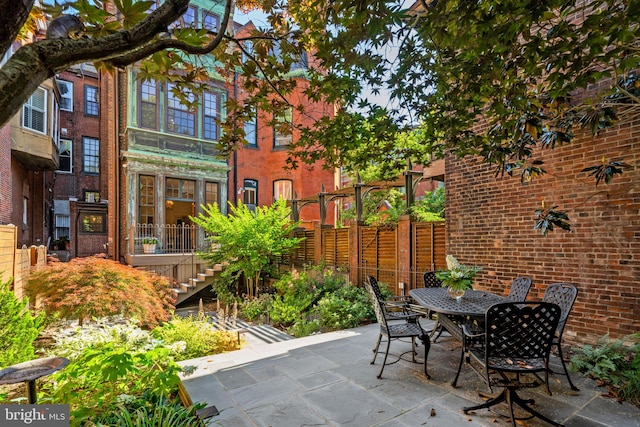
(614, 365)
(97, 287)
(197, 335)
(116, 372)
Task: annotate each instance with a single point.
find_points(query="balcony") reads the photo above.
(36, 151)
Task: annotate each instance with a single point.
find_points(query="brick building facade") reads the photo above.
(490, 224)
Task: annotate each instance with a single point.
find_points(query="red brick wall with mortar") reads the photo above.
(490, 224)
(5, 174)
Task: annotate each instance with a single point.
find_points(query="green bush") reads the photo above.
(252, 308)
(617, 366)
(198, 335)
(347, 307)
(102, 375)
(304, 327)
(298, 292)
(18, 328)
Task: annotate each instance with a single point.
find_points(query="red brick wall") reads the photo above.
(490, 224)
(5, 174)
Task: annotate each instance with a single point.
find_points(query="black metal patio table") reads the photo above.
(452, 312)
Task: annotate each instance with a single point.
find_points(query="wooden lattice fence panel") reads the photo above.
(429, 253)
(304, 253)
(378, 255)
(336, 247)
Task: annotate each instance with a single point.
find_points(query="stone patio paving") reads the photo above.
(327, 380)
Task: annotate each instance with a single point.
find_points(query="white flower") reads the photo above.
(452, 263)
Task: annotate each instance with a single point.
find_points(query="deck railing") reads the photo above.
(171, 238)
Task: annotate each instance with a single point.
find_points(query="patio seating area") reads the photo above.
(327, 380)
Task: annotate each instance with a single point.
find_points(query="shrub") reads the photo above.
(347, 307)
(127, 336)
(18, 328)
(98, 287)
(199, 336)
(253, 308)
(617, 366)
(298, 292)
(109, 370)
(304, 327)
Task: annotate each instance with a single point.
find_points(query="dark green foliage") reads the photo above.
(109, 366)
(163, 413)
(253, 308)
(547, 218)
(347, 307)
(606, 171)
(249, 243)
(18, 328)
(615, 364)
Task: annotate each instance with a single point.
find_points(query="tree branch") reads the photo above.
(34, 63)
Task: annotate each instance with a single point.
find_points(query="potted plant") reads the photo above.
(457, 278)
(149, 245)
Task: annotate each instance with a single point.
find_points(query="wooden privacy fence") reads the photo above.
(17, 263)
(397, 256)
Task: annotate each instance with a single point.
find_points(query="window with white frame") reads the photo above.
(282, 189)
(91, 105)
(66, 156)
(66, 95)
(250, 193)
(62, 226)
(90, 155)
(34, 111)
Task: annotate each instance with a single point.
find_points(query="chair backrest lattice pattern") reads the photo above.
(520, 330)
(519, 289)
(430, 280)
(564, 295)
(376, 299)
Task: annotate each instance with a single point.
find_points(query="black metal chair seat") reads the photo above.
(393, 331)
(517, 341)
(403, 330)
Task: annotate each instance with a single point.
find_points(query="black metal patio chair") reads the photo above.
(397, 307)
(563, 294)
(519, 289)
(393, 331)
(474, 330)
(430, 280)
(517, 341)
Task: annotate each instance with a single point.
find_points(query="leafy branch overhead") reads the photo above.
(606, 171)
(547, 218)
(162, 46)
(497, 79)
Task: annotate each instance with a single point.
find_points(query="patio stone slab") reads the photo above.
(327, 380)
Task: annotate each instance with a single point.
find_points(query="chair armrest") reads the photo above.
(472, 331)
